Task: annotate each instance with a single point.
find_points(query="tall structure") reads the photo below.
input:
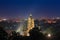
(26, 26)
(30, 25)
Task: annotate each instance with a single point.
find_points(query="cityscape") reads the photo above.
(49, 27)
(30, 20)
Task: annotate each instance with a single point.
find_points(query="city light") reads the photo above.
(4, 19)
(49, 35)
(28, 34)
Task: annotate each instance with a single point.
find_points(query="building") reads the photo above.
(30, 25)
(26, 25)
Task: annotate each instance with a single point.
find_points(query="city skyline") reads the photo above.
(22, 8)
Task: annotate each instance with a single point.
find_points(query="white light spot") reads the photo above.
(4, 19)
(49, 35)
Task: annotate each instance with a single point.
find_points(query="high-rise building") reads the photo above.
(30, 25)
(26, 25)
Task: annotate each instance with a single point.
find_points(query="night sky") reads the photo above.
(22, 8)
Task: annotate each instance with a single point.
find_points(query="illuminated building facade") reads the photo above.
(27, 25)
(30, 25)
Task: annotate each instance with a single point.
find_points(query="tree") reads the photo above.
(36, 35)
(3, 34)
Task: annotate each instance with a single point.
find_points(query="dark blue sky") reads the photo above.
(22, 8)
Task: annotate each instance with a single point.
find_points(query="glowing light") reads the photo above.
(54, 21)
(58, 17)
(49, 35)
(4, 19)
(28, 34)
(30, 25)
(30, 14)
(18, 30)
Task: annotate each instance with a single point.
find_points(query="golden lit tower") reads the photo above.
(30, 24)
(27, 25)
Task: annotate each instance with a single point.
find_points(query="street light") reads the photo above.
(49, 35)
